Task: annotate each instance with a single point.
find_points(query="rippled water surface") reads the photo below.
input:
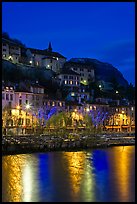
(99, 175)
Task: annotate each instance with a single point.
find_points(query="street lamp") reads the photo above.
(27, 106)
(87, 109)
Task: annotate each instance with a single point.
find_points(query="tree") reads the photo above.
(5, 35)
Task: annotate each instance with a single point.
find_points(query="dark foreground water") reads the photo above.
(99, 175)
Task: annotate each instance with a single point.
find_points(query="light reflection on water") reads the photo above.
(90, 176)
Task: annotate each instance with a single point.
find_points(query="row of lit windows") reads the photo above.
(123, 109)
(47, 103)
(53, 103)
(71, 82)
(81, 69)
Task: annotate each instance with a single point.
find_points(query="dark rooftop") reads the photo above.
(77, 65)
(11, 42)
(46, 53)
(69, 72)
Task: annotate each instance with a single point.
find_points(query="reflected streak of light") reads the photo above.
(12, 172)
(122, 162)
(27, 183)
(88, 180)
(76, 169)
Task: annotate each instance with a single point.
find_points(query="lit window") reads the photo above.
(72, 94)
(70, 82)
(53, 103)
(60, 104)
(65, 82)
(57, 58)
(48, 65)
(132, 108)
(76, 83)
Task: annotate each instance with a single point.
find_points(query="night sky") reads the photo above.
(99, 30)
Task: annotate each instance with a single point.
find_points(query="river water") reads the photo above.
(97, 175)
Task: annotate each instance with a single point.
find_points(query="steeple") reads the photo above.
(50, 48)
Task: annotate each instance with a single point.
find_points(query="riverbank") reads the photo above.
(45, 143)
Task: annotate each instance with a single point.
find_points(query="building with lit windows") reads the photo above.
(121, 119)
(86, 72)
(45, 58)
(11, 50)
(22, 108)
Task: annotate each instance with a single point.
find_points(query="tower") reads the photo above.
(50, 48)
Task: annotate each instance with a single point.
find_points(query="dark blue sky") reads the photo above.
(100, 30)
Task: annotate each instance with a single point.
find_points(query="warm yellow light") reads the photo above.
(123, 112)
(18, 107)
(70, 82)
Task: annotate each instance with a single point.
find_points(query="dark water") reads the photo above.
(99, 175)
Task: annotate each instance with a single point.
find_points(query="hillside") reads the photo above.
(103, 71)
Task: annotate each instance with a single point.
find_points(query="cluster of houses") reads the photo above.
(26, 103)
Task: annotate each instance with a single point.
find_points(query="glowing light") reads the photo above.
(99, 86)
(87, 109)
(70, 82)
(18, 107)
(116, 91)
(48, 65)
(30, 61)
(122, 112)
(72, 94)
(132, 108)
(27, 106)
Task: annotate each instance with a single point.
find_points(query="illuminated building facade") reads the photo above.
(10, 50)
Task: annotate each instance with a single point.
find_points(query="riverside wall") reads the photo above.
(46, 143)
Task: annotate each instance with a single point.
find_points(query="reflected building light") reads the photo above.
(76, 169)
(88, 180)
(27, 184)
(122, 173)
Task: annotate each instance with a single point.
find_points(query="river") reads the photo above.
(96, 175)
